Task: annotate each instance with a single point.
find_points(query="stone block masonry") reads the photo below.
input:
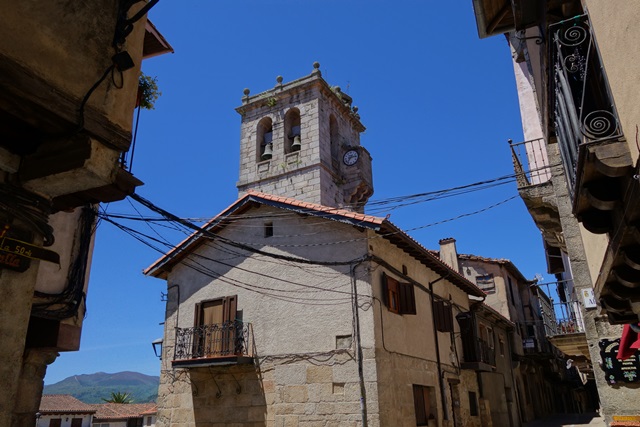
(301, 393)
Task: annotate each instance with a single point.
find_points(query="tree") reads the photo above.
(119, 397)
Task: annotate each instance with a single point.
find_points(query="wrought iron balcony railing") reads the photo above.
(530, 162)
(560, 314)
(221, 340)
(582, 104)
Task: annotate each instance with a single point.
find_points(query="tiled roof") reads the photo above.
(315, 208)
(381, 225)
(123, 411)
(63, 404)
(335, 214)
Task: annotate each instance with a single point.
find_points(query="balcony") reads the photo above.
(562, 320)
(478, 355)
(533, 176)
(595, 154)
(229, 343)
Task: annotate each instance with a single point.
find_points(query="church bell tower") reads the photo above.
(302, 140)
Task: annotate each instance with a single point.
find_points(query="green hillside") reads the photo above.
(91, 388)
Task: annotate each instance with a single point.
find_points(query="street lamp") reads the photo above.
(157, 347)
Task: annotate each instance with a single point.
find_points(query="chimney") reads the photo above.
(448, 253)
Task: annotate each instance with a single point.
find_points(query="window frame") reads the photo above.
(443, 315)
(399, 297)
(423, 396)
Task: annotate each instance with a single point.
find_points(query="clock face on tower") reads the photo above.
(350, 157)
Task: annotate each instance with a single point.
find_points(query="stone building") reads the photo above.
(576, 70)
(68, 85)
(293, 308)
(543, 383)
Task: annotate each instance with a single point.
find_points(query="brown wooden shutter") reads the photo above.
(230, 309)
(419, 405)
(407, 298)
(393, 295)
(385, 290)
(443, 316)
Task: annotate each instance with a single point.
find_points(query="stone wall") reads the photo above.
(315, 173)
(317, 392)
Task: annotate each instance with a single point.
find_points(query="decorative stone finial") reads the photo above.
(337, 89)
(316, 68)
(246, 91)
(355, 109)
(279, 80)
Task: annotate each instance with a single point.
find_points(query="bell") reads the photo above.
(268, 152)
(296, 143)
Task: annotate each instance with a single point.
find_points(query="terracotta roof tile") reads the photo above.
(122, 411)
(63, 403)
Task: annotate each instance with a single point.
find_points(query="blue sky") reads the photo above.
(439, 105)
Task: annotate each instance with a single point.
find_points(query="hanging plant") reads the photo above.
(148, 91)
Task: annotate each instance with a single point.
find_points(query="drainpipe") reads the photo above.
(435, 334)
(359, 357)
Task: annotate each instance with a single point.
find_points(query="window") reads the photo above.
(501, 345)
(268, 229)
(486, 283)
(443, 315)
(148, 421)
(215, 327)
(511, 295)
(473, 404)
(398, 297)
(422, 398)
(134, 422)
(55, 422)
(76, 422)
(486, 335)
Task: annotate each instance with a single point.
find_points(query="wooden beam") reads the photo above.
(50, 110)
(499, 17)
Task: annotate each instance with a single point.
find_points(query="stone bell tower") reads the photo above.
(302, 140)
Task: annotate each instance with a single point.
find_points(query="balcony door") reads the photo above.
(215, 323)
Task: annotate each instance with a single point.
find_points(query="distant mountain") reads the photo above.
(91, 388)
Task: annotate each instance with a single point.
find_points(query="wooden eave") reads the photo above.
(33, 112)
(403, 241)
(493, 17)
(154, 42)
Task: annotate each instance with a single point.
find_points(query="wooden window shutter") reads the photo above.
(421, 404)
(230, 308)
(393, 296)
(385, 290)
(196, 316)
(443, 316)
(407, 298)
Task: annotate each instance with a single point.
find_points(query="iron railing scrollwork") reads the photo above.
(584, 112)
(212, 341)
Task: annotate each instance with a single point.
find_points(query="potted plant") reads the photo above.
(148, 91)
